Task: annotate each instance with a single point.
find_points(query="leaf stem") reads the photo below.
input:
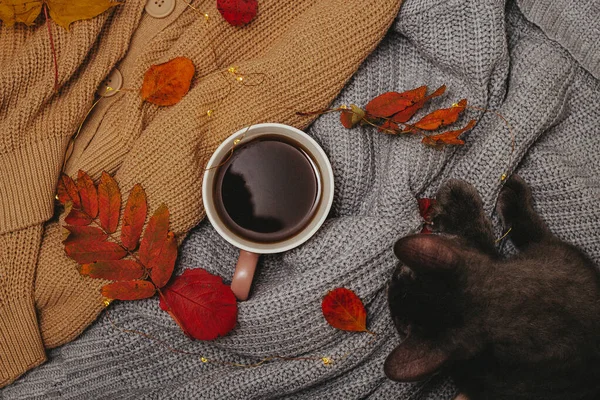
(45, 7)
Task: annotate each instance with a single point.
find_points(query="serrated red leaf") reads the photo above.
(425, 209)
(134, 216)
(344, 310)
(84, 233)
(88, 193)
(115, 270)
(450, 137)
(131, 290)
(442, 117)
(161, 267)
(109, 201)
(406, 114)
(155, 235)
(387, 104)
(201, 304)
(78, 218)
(166, 84)
(389, 127)
(85, 252)
(67, 191)
(238, 12)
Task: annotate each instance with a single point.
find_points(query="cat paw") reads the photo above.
(458, 207)
(514, 200)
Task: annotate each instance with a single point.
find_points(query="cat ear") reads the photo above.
(413, 360)
(427, 251)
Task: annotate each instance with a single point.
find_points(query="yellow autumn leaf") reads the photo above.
(63, 12)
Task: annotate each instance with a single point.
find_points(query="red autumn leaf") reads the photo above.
(162, 266)
(443, 117)
(109, 200)
(346, 119)
(238, 12)
(344, 310)
(388, 104)
(450, 137)
(425, 209)
(88, 193)
(155, 235)
(130, 290)
(166, 84)
(115, 270)
(91, 251)
(134, 217)
(406, 114)
(351, 117)
(67, 191)
(201, 304)
(389, 127)
(78, 217)
(84, 233)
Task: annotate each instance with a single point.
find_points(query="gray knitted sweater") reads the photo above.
(542, 78)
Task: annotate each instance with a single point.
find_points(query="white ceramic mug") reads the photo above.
(251, 250)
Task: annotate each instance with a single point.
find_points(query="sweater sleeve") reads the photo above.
(21, 346)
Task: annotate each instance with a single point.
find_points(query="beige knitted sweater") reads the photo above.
(306, 49)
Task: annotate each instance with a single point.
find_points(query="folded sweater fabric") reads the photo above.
(303, 52)
(485, 52)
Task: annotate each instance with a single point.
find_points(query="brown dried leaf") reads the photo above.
(166, 84)
(115, 270)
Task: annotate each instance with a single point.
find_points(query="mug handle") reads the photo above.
(243, 275)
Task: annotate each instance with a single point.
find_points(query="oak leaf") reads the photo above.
(63, 12)
(344, 310)
(450, 137)
(203, 307)
(238, 12)
(166, 84)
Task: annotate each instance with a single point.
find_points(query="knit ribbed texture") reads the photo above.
(575, 25)
(300, 55)
(491, 55)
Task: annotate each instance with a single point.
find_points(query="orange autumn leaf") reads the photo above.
(390, 103)
(134, 217)
(166, 84)
(109, 200)
(155, 235)
(81, 233)
(78, 218)
(406, 114)
(389, 127)
(161, 267)
(88, 194)
(67, 191)
(114, 270)
(450, 137)
(344, 310)
(89, 251)
(128, 290)
(443, 117)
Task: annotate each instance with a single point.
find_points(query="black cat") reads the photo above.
(527, 327)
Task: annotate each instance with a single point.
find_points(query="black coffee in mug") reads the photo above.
(268, 190)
